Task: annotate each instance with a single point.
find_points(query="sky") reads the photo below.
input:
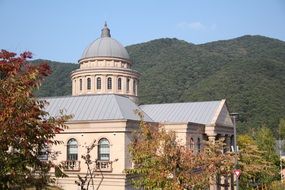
(60, 30)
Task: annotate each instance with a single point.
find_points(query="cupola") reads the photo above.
(105, 68)
(105, 46)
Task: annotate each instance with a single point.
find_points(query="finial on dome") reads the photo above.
(105, 32)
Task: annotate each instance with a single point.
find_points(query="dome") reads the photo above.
(105, 46)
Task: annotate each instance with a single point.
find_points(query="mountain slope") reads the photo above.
(58, 83)
(248, 71)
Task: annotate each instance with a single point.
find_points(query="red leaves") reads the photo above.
(6, 55)
(24, 125)
(11, 65)
(26, 55)
(44, 70)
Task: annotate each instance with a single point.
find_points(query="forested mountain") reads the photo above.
(59, 82)
(248, 71)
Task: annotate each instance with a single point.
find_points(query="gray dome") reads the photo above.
(105, 46)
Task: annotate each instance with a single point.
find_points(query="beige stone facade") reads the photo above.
(104, 93)
(119, 135)
(109, 176)
(103, 75)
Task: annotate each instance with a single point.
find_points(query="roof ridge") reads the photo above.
(121, 111)
(197, 112)
(83, 95)
(49, 97)
(218, 111)
(144, 113)
(181, 102)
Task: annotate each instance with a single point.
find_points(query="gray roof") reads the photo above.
(195, 112)
(105, 46)
(116, 107)
(94, 107)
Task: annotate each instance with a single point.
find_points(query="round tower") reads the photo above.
(105, 68)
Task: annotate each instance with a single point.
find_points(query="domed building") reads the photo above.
(105, 68)
(104, 104)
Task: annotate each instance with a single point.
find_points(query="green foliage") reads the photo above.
(266, 142)
(258, 160)
(248, 71)
(277, 185)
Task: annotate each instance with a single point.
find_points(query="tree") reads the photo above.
(254, 166)
(266, 142)
(161, 162)
(84, 182)
(26, 130)
(281, 148)
(87, 181)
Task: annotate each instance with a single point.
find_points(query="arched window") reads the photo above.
(198, 145)
(104, 149)
(119, 84)
(88, 83)
(134, 86)
(43, 153)
(99, 83)
(191, 145)
(80, 84)
(128, 85)
(74, 87)
(109, 83)
(72, 149)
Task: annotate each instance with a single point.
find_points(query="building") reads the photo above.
(103, 104)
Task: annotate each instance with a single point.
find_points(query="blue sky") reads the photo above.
(59, 30)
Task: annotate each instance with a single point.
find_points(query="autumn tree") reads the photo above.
(161, 162)
(25, 128)
(256, 169)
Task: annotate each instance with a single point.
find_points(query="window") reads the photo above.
(43, 153)
(99, 83)
(128, 85)
(198, 145)
(88, 83)
(134, 86)
(109, 83)
(72, 150)
(232, 143)
(119, 84)
(191, 145)
(103, 149)
(80, 84)
(226, 146)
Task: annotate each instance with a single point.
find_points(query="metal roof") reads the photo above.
(94, 107)
(195, 112)
(105, 46)
(117, 107)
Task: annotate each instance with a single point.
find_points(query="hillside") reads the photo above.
(248, 71)
(58, 83)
